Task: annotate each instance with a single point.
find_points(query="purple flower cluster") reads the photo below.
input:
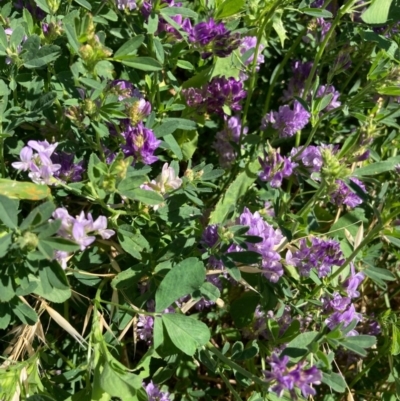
(310, 158)
(218, 93)
(249, 43)
(284, 378)
(287, 120)
(140, 142)
(343, 195)
(40, 165)
(271, 238)
(154, 393)
(324, 90)
(124, 89)
(212, 38)
(126, 4)
(223, 139)
(69, 171)
(77, 229)
(275, 168)
(341, 311)
(300, 73)
(317, 29)
(321, 254)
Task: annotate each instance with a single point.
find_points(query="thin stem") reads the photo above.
(280, 69)
(229, 385)
(323, 45)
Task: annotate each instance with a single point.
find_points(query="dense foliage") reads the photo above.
(199, 200)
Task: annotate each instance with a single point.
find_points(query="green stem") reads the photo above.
(235, 366)
(230, 387)
(323, 45)
(266, 18)
(280, 69)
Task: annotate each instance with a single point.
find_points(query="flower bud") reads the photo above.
(29, 241)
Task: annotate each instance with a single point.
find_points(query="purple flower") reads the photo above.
(310, 158)
(40, 166)
(324, 90)
(271, 238)
(222, 144)
(213, 38)
(69, 171)
(126, 4)
(275, 168)
(345, 317)
(154, 393)
(224, 92)
(210, 236)
(352, 282)
(287, 121)
(343, 195)
(300, 73)
(218, 93)
(145, 328)
(78, 229)
(318, 28)
(248, 43)
(321, 254)
(140, 143)
(284, 378)
(124, 89)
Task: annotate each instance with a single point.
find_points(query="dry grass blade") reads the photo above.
(123, 332)
(87, 318)
(62, 322)
(359, 236)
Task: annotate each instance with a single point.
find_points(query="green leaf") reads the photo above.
(17, 36)
(23, 190)
(118, 383)
(142, 63)
(236, 190)
(298, 347)
(146, 196)
(395, 346)
(173, 145)
(84, 4)
(60, 244)
(128, 279)
(173, 11)
(379, 273)
(279, 27)
(334, 381)
(227, 8)
(152, 23)
(186, 65)
(170, 125)
(9, 212)
(44, 102)
(242, 309)
(129, 184)
(24, 312)
(5, 315)
(38, 215)
(45, 55)
(5, 242)
(190, 274)
(316, 12)
(358, 343)
(210, 291)
(42, 4)
(377, 12)
(71, 36)
(186, 333)
(7, 291)
(131, 241)
(40, 397)
(129, 47)
(377, 168)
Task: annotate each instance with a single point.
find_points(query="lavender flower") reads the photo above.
(287, 121)
(324, 90)
(126, 4)
(213, 38)
(78, 228)
(40, 166)
(154, 393)
(222, 144)
(224, 92)
(317, 29)
(218, 93)
(310, 158)
(284, 378)
(322, 254)
(275, 168)
(69, 171)
(138, 110)
(248, 43)
(345, 316)
(124, 89)
(352, 282)
(271, 265)
(300, 73)
(140, 143)
(210, 236)
(145, 326)
(343, 195)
